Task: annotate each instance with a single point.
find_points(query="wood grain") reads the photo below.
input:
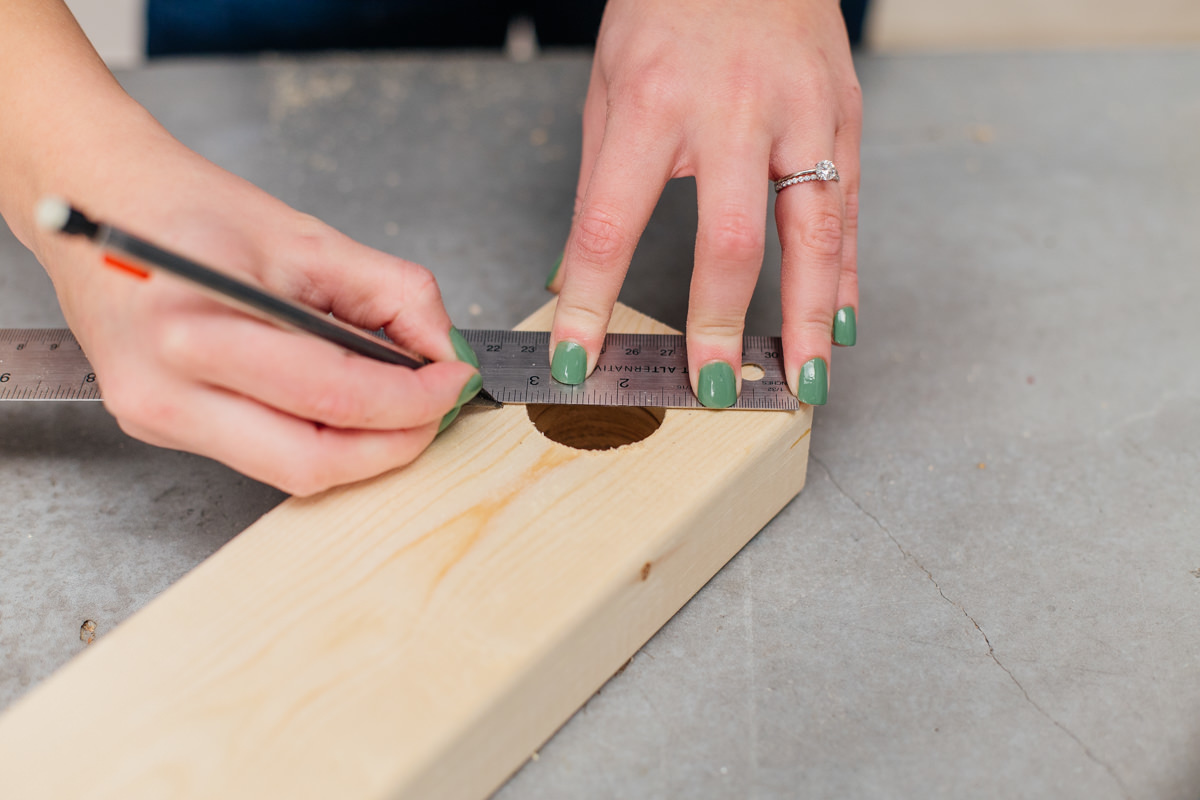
(417, 635)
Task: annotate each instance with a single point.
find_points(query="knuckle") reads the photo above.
(136, 410)
(848, 282)
(735, 237)
(821, 233)
(310, 233)
(851, 222)
(135, 431)
(654, 92)
(583, 317)
(849, 236)
(177, 345)
(421, 284)
(599, 233)
(294, 267)
(173, 339)
(814, 324)
(308, 240)
(302, 480)
(299, 485)
(849, 242)
(334, 406)
(420, 397)
(727, 328)
(419, 290)
(851, 101)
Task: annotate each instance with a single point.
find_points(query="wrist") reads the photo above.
(66, 118)
(91, 160)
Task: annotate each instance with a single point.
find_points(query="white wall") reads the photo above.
(116, 28)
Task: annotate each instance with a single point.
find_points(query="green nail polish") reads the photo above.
(717, 386)
(569, 364)
(470, 390)
(554, 272)
(814, 382)
(845, 327)
(450, 417)
(463, 349)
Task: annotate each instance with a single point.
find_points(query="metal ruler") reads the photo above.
(44, 364)
(634, 369)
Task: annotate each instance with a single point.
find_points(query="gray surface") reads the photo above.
(990, 585)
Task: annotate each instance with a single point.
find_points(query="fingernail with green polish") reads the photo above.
(814, 382)
(463, 349)
(845, 327)
(717, 388)
(569, 364)
(450, 417)
(470, 390)
(554, 272)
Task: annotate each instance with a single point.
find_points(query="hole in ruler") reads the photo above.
(752, 372)
(595, 427)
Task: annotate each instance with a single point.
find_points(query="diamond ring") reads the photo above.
(822, 171)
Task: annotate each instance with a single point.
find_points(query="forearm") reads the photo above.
(66, 119)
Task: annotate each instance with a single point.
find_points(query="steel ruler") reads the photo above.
(634, 369)
(44, 364)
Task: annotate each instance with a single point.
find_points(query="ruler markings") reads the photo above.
(633, 369)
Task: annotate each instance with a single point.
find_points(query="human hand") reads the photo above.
(180, 370)
(732, 94)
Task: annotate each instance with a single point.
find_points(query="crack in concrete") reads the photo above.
(991, 651)
(1166, 400)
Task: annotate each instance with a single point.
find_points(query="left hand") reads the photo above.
(732, 93)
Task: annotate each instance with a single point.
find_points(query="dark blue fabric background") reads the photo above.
(181, 27)
(176, 27)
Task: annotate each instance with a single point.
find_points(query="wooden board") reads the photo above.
(420, 634)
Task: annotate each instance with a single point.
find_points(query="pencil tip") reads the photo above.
(484, 399)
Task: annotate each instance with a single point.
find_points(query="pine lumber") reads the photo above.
(418, 635)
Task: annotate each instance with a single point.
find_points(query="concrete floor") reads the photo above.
(990, 586)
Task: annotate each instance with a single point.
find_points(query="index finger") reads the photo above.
(312, 379)
(368, 288)
(631, 169)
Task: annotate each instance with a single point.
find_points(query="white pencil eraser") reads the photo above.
(52, 213)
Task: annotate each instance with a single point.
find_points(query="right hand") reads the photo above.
(180, 370)
(176, 368)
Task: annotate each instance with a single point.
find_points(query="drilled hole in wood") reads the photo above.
(595, 427)
(752, 372)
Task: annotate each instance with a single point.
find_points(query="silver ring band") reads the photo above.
(821, 171)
